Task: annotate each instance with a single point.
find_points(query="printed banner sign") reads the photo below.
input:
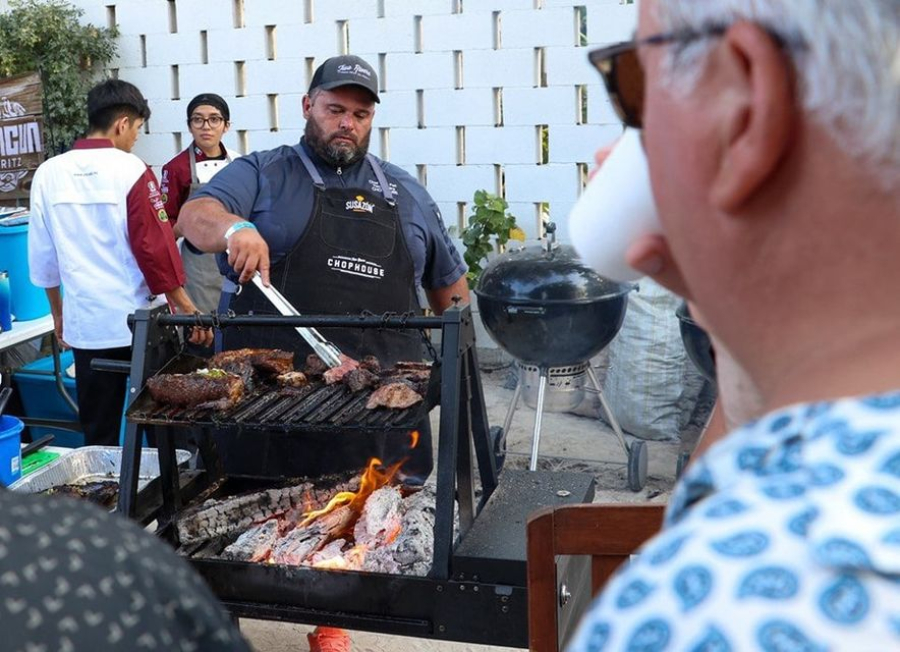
(21, 135)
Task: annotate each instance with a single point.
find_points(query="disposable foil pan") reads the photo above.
(92, 464)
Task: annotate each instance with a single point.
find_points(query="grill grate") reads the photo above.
(316, 407)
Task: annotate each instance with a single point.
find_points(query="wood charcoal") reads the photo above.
(315, 366)
(266, 361)
(380, 519)
(214, 389)
(393, 395)
(411, 552)
(216, 518)
(360, 379)
(332, 550)
(293, 379)
(255, 544)
(301, 542)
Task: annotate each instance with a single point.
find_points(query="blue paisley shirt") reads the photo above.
(784, 537)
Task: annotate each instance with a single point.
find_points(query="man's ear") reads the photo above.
(307, 103)
(757, 117)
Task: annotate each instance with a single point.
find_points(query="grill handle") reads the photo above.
(115, 366)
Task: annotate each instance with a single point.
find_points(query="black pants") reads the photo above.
(101, 396)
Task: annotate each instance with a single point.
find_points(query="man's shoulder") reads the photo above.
(267, 157)
(179, 160)
(407, 182)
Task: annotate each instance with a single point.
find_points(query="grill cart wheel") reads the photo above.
(637, 465)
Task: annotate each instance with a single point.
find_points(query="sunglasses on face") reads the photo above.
(623, 75)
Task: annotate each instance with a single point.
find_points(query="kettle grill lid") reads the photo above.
(536, 275)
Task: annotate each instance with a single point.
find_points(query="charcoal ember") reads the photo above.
(215, 389)
(380, 520)
(359, 379)
(293, 379)
(411, 552)
(370, 363)
(265, 361)
(301, 542)
(315, 366)
(219, 517)
(336, 374)
(334, 550)
(255, 544)
(396, 395)
(103, 492)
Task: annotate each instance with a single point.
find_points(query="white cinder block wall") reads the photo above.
(468, 85)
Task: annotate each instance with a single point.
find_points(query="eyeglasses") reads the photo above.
(623, 74)
(214, 121)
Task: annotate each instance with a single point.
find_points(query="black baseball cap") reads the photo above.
(209, 99)
(345, 70)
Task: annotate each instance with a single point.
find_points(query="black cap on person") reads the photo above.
(345, 70)
(209, 99)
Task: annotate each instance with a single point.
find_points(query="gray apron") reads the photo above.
(204, 281)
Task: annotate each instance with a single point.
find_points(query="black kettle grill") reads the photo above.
(552, 313)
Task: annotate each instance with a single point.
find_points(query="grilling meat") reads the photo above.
(104, 492)
(394, 395)
(265, 361)
(315, 366)
(358, 379)
(293, 379)
(370, 363)
(336, 374)
(212, 389)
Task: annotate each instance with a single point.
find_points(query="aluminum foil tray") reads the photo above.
(92, 464)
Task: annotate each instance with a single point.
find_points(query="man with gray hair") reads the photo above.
(783, 230)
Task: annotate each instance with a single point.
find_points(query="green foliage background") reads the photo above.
(46, 36)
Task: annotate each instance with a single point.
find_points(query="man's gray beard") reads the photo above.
(334, 155)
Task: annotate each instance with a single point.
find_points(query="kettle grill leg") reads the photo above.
(609, 413)
(512, 406)
(539, 412)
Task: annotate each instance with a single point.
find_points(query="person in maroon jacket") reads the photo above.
(208, 119)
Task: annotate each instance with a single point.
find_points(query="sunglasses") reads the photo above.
(623, 74)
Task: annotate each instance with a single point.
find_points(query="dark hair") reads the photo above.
(110, 100)
(209, 99)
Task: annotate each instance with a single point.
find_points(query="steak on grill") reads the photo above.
(265, 361)
(358, 379)
(315, 366)
(394, 395)
(336, 374)
(293, 379)
(215, 389)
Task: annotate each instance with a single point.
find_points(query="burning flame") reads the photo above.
(374, 478)
(414, 439)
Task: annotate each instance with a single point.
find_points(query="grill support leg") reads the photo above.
(538, 414)
(609, 413)
(507, 422)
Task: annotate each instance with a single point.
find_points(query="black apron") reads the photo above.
(351, 258)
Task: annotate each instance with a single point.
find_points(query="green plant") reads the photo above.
(490, 227)
(46, 36)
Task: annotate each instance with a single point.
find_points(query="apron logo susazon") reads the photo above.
(359, 205)
(356, 266)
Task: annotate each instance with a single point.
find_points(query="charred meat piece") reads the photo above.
(335, 374)
(315, 366)
(370, 363)
(395, 395)
(208, 389)
(358, 379)
(104, 492)
(240, 368)
(413, 366)
(265, 361)
(293, 379)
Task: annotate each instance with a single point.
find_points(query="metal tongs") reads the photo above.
(330, 354)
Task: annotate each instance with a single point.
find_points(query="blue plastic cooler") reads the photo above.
(28, 302)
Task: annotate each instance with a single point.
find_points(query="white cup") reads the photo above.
(615, 209)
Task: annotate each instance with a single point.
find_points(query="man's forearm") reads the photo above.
(203, 222)
(180, 302)
(442, 298)
(54, 297)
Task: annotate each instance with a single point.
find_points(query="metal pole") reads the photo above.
(539, 412)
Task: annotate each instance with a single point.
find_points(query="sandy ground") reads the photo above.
(568, 442)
